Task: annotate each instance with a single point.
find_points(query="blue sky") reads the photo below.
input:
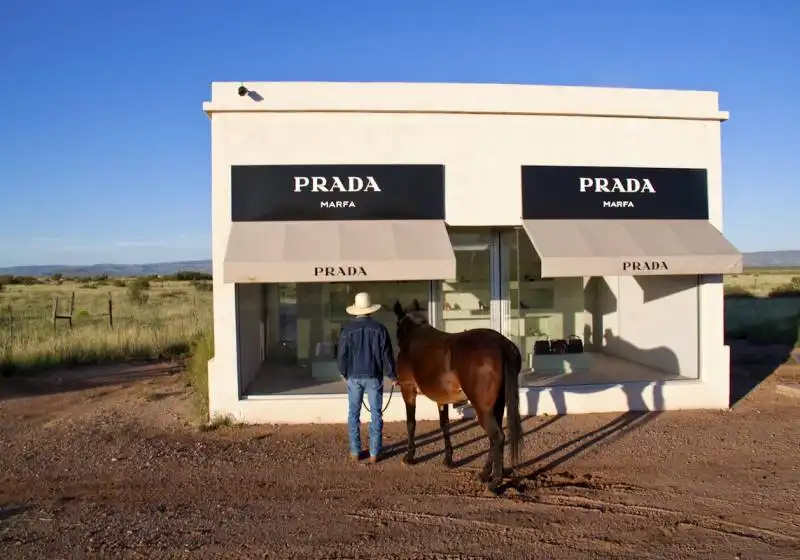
(104, 150)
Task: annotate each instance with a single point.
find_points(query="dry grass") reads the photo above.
(764, 282)
(175, 316)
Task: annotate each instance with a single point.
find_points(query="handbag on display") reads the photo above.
(558, 346)
(574, 344)
(542, 346)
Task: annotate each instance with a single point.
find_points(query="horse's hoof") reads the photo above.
(491, 491)
(408, 460)
(448, 462)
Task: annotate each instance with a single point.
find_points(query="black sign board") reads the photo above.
(592, 193)
(336, 192)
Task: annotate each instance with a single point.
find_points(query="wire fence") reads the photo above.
(32, 340)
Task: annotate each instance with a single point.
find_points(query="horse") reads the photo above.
(479, 365)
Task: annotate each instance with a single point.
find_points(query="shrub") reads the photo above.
(138, 291)
(790, 289)
(189, 275)
(736, 291)
(203, 285)
(202, 350)
(118, 283)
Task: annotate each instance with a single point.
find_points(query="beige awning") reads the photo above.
(631, 247)
(340, 251)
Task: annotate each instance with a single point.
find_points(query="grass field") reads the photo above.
(162, 321)
(763, 282)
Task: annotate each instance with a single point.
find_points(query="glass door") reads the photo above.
(527, 299)
(466, 301)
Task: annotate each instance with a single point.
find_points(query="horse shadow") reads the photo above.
(638, 414)
(459, 426)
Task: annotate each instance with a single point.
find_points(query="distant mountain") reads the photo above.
(110, 269)
(772, 259)
(760, 259)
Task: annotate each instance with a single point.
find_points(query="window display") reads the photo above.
(465, 299)
(593, 326)
(312, 315)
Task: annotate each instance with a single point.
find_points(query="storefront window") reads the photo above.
(585, 330)
(311, 316)
(466, 298)
(531, 313)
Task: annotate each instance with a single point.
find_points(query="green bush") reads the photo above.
(189, 275)
(202, 350)
(790, 289)
(138, 291)
(736, 291)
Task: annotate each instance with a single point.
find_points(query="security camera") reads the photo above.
(243, 91)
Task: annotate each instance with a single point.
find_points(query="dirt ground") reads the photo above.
(106, 463)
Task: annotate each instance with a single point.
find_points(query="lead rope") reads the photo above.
(364, 403)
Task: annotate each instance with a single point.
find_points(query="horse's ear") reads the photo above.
(398, 310)
(415, 305)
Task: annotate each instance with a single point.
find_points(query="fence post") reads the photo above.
(71, 309)
(55, 312)
(110, 312)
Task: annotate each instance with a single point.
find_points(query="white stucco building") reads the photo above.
(547, 213)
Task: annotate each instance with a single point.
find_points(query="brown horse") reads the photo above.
(480, 365)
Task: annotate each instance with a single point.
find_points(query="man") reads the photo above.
(365, 352)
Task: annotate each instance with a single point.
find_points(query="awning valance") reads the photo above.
(338, 251)
(631, 247)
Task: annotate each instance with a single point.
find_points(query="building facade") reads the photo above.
(583, 223)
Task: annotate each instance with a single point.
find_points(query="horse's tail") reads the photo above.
(512, 366)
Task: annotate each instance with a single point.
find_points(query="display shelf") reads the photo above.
(465, 314)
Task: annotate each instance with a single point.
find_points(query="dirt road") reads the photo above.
(104, 463)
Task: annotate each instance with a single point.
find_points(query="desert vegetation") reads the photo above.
(147, 318)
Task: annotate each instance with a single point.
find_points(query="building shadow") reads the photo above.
(637, 415)
(762, 334)
(752, 364)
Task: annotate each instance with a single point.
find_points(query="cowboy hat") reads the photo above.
(362, 305)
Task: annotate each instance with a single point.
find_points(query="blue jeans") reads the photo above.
(355, 394)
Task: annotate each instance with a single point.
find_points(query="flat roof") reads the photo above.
(501, 99)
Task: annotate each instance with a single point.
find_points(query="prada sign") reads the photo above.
(340, 271)
(336, 192)
(591, 193)
(644, 266)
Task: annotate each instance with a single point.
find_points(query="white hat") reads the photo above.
(362, 305)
